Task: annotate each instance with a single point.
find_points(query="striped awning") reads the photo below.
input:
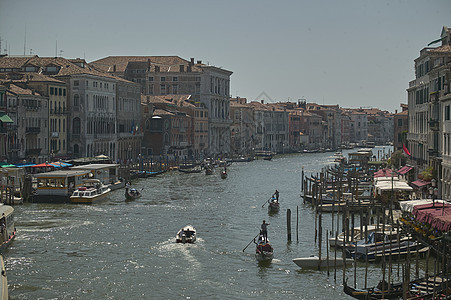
(404, 170)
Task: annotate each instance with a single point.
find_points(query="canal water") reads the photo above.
(127, 250)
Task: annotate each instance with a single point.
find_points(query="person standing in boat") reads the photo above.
(277, 195)
(264, 230)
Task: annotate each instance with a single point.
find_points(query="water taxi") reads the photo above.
(93, 190)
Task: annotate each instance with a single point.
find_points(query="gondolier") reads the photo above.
(264, 230)
(277, 195)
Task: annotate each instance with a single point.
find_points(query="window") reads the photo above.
(175, 78)
(76, 126)
(64, 92)
(399, 122)
(60, 92)
(163, 78)
(174, 89)
(76, 100)
(52, 91)
(162, 89)
(447, 113)
(151, 78)
(76, 83)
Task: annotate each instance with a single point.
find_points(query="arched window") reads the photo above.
(76, 126)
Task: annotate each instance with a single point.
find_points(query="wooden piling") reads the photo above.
(289, 224)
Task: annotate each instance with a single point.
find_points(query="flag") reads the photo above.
(436, 41)
(405, 149)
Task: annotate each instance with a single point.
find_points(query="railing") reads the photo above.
(33, 130)
(55, 134)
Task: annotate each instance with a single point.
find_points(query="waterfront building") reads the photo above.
(29, 112)
(359, 126)
(92, 106)
(5, 125)
(380, 126)
(311, 126)
(401, 128)
(163, 75)
(243, 127)
(429, 118)
(169, 128)
(331, 117)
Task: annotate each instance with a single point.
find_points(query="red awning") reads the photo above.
(420, 182)
(404, 170)
(383, 173)
(43, 165)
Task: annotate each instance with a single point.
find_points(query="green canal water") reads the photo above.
(127, 250)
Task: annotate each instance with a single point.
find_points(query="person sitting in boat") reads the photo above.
(264, 230)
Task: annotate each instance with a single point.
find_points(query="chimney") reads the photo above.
(188, 69)
(192, 60)
(262, 101)
(157, 69)
(199, 62)
(148, 64)
(182, 68)
(396, 111)
(114, 68)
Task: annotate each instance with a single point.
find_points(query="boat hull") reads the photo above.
(315, 262)
(186, 235)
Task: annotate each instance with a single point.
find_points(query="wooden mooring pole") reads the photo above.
(289, 224)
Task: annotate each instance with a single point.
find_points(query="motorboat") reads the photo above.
(263, 250)
(3, 281)
(224, 174)
(93, 190)
(186, 234)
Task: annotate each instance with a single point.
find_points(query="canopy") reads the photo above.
(5, 118)
(404, 170)
(384, 186)
(409, 205)
(60, 164)
(427, 212)
(43, 165)
(442, 223)
(420, 182)
(383, 173)
(7, 165)
(24, 165)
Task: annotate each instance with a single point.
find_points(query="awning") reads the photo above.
(404, 170)
(383, 173)
(5, 118)
(420, 183)
(43, 165)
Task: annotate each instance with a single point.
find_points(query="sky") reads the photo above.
(355, 53)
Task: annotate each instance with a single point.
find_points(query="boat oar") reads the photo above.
(266, 202)
(250, 242)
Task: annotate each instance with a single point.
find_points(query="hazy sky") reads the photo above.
(355, 53)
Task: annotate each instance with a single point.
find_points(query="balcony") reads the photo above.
(32, 130)
(55, 134)
(434, 125)
(433, 153)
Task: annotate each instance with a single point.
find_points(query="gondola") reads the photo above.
(274, 205)
(132, 194)
(394, 292)
(263, 250)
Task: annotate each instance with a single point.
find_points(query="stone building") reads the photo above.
(163, 75)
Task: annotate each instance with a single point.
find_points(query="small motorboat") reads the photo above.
(132, 194)
(263, 250)
(382, 291)
(314, 262)
(93, 190)
(224, 174)
(186, 234)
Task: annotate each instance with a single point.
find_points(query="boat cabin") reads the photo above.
(106, 173)
(58, 186)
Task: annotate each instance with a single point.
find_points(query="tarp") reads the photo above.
(420, 182)
(404, 170)
(7, 166)
(409, 205)
(24, 165)
(384, 186)
(442, 223)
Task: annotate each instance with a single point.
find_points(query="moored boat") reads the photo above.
(93, 190)
(7, 227)
(263, 250)
(382, 291)
(132, 194)
(186, 234)
(3, 281)
(314, 262)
